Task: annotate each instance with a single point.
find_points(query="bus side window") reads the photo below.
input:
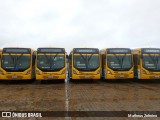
(138, 60)
(67, 56)
(70, 57)
(135, 59)
(33, 59)
(103, 64)
(103, 59)
(136, 63)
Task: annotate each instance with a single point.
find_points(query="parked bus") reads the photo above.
(117, 63)
(17, 64)
(51, 64)
(84, 63)
(147, 63)
(0, 57)
(0, 53)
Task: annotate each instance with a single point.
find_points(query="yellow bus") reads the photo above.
(0, 57)
(117, 63)
(84, 63)
(17, 64)
(147, 63)
(0, 53)
(51, 64)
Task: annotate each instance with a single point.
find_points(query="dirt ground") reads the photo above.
(124, 95)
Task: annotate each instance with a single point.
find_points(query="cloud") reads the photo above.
(79, 23)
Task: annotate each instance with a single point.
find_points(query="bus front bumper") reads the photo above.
(15, 77)
(119, 76)
(50, 77)
(155, 76)
(78, 77)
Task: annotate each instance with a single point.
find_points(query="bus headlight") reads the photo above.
(109, 72)
(1, 72)
(74, 72)
(63, 71)
(28, 72)
(37, 72)
(99, 71)
(144, 72)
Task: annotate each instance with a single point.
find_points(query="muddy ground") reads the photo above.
(126, 95)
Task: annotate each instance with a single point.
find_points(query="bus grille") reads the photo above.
(121, 76)
(18, 77)
(54, 77)
(153, 77)
(86, 77)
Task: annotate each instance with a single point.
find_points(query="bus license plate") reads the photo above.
(87, 76)
(14, 76)
(156, 76)
(50, 77)
(121, 76)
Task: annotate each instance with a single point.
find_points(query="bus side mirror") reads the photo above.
(67, 56)
(142, 56)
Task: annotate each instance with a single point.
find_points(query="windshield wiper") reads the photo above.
(87, 59)
(47, 59)
(13, 59)
(50, 60)
(158, 57)
(84, 59)
(122, 59)
(118, 58)
(17, 60)
(90, 57)
(52, 63)
(154, 60)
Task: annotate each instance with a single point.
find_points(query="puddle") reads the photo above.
(67, 99)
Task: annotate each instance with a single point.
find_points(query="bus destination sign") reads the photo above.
(150, 50)
(118, 50)
(16, 50)
(86, 50)
(50, 50)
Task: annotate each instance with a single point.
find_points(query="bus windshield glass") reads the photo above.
(86, 62)
(119, 62)
(151, 62)
(50, 62)
(15, 62)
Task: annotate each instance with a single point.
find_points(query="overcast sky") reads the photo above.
(79, 23)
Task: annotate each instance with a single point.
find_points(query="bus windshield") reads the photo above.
(15, 62)
(50, 62)
(151, 62)
(86, 62)
(120, 62)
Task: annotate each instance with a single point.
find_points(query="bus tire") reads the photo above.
(62, 80)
